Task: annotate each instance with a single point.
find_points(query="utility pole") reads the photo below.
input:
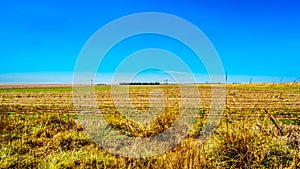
(250, 80)
(281, 80)
(166, 81)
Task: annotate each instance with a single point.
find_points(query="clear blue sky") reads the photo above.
(41, 40)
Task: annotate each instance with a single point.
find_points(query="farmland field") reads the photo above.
(259, 128)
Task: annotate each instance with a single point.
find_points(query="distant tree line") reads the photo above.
(140, 83)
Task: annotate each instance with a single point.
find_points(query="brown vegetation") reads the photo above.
(39, 129)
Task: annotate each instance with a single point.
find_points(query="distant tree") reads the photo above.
(139, 83)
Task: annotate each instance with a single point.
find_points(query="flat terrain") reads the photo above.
(259, 128)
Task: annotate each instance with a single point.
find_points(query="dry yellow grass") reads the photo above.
(38, 129)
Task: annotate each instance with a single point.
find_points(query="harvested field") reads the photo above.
(259, 128)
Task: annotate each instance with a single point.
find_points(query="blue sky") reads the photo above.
(41, 40)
